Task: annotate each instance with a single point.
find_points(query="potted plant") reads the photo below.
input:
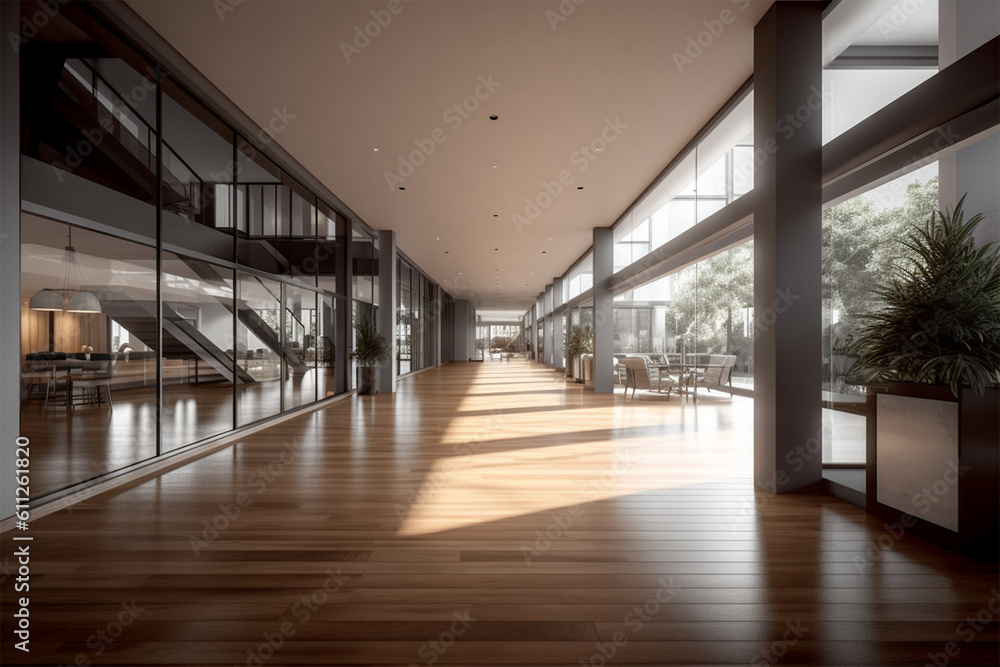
(580, 341)
(370, 349)
(934, 346)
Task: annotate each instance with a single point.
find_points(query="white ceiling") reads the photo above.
(558, 86)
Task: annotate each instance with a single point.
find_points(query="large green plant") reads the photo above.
(940, 323)
(580, 341)
(370, 347)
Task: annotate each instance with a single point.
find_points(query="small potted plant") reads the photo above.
(934, 347)
(580, 341)
(370, 350)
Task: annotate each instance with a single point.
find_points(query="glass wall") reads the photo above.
(718, 171)
(364, 287)
(299, 346)
(198, 361)
(240, 321)
(415, 319)
(704, 309)
(79, 366)
(855, 85)
(259, 346)
(861, 244)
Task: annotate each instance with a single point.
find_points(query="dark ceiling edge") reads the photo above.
(140, 33)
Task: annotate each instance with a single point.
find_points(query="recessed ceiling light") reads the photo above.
(402, 188)
(496, 215)
(439, 238)
(598, 149)
(579, 187)
(494, 117)
(375, 149)
(495, 166)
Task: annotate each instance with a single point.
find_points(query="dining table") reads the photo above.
(49, 370)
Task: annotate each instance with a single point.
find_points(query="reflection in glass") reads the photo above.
(198, 361)
(326, 346)
(300, 347)
(860, 245)
(197, 180)
(258, 348)
(88, 380)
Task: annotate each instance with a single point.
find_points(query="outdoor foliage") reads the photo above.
(940, 323)
(580, 341)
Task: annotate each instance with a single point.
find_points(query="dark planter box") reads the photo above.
(978, 457)
(366, 380)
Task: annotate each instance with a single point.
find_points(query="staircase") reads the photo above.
(181, 340)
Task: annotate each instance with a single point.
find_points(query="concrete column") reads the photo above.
(787, 246)
(10, 256)
(604, 327)
(963, 26)
(558, 324)
(387, 308)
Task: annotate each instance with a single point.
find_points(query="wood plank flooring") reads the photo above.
(492, 514)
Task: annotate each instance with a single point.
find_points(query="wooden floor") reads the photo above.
(491, 514)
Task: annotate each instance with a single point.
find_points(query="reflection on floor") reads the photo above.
(488, 514)
(89, 441)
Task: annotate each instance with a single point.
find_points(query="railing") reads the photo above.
(117, 116)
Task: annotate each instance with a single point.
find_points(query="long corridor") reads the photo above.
(492, 514)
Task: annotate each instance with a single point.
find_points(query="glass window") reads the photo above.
(88, 379)
(860, 244)
(299, 349)
(718, 171)
(198, 359)
(855, 86)
(703, 309)
(259, 348)
(326, 346)
(197, 187)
